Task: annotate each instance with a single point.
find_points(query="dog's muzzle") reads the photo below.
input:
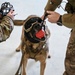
(34, 28)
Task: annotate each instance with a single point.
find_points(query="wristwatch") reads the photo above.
(59, 22)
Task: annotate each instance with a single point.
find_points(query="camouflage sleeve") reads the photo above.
(6, 27)
(68, 20)
(52, 5)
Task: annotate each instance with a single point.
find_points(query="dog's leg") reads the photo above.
(42, 67)
(24, 66)
(22, 37)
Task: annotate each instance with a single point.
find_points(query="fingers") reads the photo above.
(42, 17)
(50, 12)
(53, 16)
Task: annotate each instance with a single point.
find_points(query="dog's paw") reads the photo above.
(48, 56)
(17, 50)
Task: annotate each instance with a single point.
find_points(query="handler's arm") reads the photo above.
(6, 27)
(68, 20)
(52, 5)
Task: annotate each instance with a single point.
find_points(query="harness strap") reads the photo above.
(36, 52)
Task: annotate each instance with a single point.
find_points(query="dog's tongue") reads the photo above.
(40, 34)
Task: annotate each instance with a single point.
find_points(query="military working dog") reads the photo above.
(34, 42)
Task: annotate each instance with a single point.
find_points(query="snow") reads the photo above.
(9, 59)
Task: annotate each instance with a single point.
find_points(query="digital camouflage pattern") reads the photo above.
(68, 20)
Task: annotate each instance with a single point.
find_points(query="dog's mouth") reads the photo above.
(40, 34)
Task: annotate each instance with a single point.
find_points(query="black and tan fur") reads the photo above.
(37, 51)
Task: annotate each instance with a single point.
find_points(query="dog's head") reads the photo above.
(34, 29)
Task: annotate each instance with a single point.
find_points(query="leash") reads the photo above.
(17, 73)
(45, 15)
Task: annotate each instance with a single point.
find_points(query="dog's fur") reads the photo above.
(29, 50)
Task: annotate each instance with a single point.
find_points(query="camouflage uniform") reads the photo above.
(68, 20)
(6, 27)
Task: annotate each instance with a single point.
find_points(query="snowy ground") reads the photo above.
(9, 59)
